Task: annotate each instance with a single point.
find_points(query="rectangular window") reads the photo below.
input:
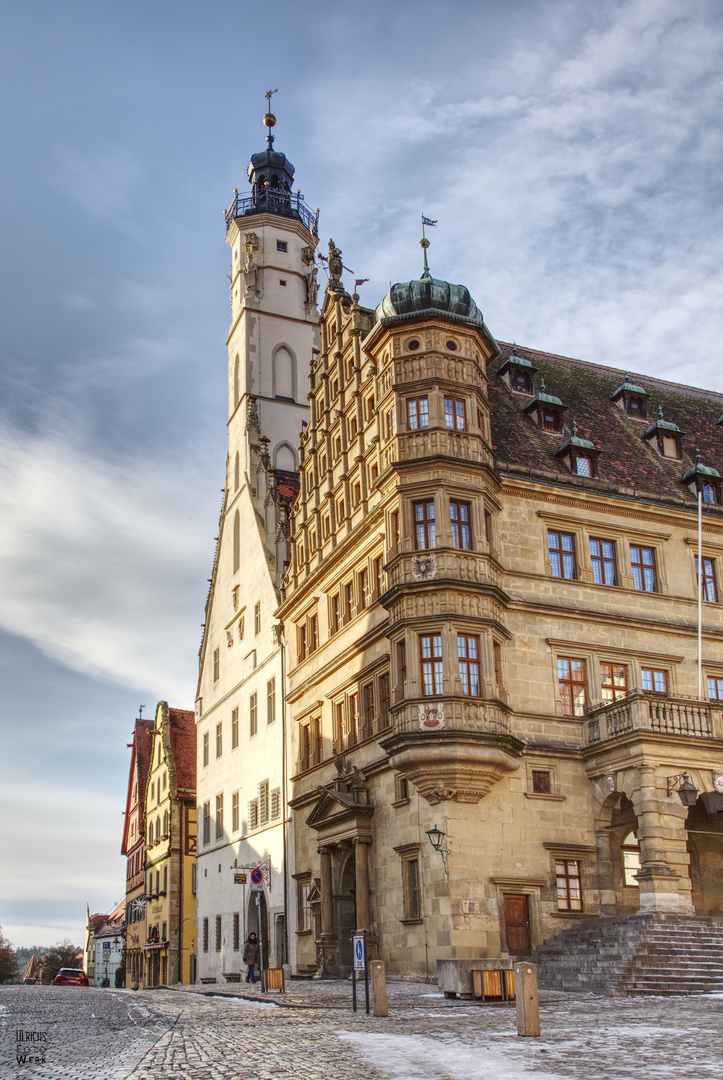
(459, 520)
(253, 715)
(338, 726)
(541, 783)
(569, 889)
(715, 688)
(254, 814)
(602, 557)
(551, 419)
(348, 601)
(340, 513)
(207, 823)
(316, 741)
(165, 879)
(412, 908)
(305, 746)
(642, 562)
(234, 728)
(401, 788)
(216, 664)
(313, 633)
(424, 524)
(417, 413)
(275, 803)
(394, 528)
(264, 802)
(205, 749)
(334, 614)
(218, 933)
(219, 740)
(352, 729)
(654, 682)
(257, 618)
(454, 414)
(613, 681)
(468, 654)
(383, 701)
(235, 820)
(561, 547)
(368, 714)
(271, 701)
(356, 493)
(282, 245)
(708, 586)
(378, 576)
(363, 589)
(236, 931)
(431, 659)
(219, 816)
(303, 910)
(571, 682)
(390, 422)
(205, 935)
(194, 878)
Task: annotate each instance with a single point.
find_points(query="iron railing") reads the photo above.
(285, 203)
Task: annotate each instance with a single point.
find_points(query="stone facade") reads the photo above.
(491, 626)
(134, 849)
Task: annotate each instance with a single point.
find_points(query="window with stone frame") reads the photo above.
(604, 563)
(257, 618)
(654, 681)
(390, 422)
(455, 414)
(572, 685)
(207, 822)
(264, 803)
(275, 803)
(216, 664)
(271, 701)
(630, 855)
(715, 688)
(303, 908)
(417, 413)
(218, 933)
(219, 816)
(642, 564)
(459, 517)
(235, 819)
(378, 572)
(206, 742)
(334, 621)
(561, 550)
(204, 934)
(541, 781)
(367, 725)
(253, 715)
(362, 589)
(348, 595)
(384, 697)
(236, 931)
(613, 681)
(424, 524)
(253, 811)
(304, 746)
(430, 650)
(468, 659)
(708, 586)
(411, 884)
(569, 884)
(219, 739)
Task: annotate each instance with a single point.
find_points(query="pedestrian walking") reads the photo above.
(252, 952)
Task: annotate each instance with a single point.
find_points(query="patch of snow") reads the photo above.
(431, 995)
(246, 1001)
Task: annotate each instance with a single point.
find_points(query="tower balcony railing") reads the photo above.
(451, 714)
(640, 711)
(450, 564)
(285, 203)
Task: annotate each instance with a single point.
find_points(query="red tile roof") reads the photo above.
(183, 744)
(626, 461)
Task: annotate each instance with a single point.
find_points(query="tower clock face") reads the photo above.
(718, 782)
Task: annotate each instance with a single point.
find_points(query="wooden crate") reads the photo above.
(495, 985)
(273, 979)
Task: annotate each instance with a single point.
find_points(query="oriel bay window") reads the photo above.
(430, 647)
(459, 521)
(614, 681)
(569, 888)
(602, 557)
(561, 547)
(417, 413)
(572, 685)
(468, 655)
(424, 524)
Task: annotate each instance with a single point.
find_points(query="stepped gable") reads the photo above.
(183, 744)
(626, 461)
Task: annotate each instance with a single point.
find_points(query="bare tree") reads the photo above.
(8, 962)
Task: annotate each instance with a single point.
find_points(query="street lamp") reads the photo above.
(436, 839)
(687, 791)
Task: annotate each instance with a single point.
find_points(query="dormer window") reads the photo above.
(517, 371)
(704, 479)
(580, 455)
(631, 399)
(667, 436)
(546, 410)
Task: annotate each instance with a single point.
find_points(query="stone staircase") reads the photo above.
(641, 954)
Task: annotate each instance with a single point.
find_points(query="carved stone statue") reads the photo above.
(336, 268)
(312, 286)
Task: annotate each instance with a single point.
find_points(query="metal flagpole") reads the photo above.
(701, 579)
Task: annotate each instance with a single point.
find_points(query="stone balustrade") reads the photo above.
(639, 711)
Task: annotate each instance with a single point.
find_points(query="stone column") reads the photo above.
(327, 894)
(664, 878)
(361, 863)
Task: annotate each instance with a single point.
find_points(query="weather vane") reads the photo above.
(424, 244)
(269, 118)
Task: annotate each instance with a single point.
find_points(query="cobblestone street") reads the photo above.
(169, 1035)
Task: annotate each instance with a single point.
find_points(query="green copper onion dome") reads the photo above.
(428, 296)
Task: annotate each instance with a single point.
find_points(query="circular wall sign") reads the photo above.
(257, 876)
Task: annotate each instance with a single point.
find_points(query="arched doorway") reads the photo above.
(619, 855)
(705, 847)
(346, 911)
(257, 926)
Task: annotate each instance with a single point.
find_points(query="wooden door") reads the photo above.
(517, 924)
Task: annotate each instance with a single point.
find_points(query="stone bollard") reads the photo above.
(528, 1004)
(379, 987)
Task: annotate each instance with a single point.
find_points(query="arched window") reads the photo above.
(285, 458)
(150, 833)
(236, 542)
(284, 373)
(631, 859)
(236, 387)
(158, 828)
(165, 824)
(236, 473)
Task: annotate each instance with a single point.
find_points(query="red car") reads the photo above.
(71, 977)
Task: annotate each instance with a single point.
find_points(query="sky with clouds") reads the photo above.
(572, 154)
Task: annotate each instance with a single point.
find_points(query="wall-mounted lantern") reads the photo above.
(687, 791)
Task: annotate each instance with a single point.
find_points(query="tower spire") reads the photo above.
(424, 244)
(269, 118)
